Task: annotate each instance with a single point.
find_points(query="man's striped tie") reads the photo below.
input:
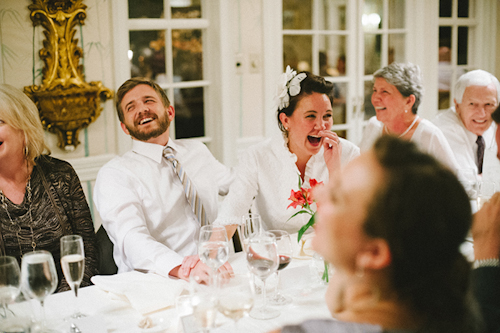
(189, 188)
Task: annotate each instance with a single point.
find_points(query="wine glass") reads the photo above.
(213, 249)
(263, 260)
(236, 297)
(485, 192)
(10, 282)
(285, 251)
(73, 265)
(39, 278)
(203, 302)
(251, 224)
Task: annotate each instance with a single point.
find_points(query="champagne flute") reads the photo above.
(263, 260)
(213, 249)
(73, 265)
(285, 251)
(236, 298)
(39, 278)
(10, 282)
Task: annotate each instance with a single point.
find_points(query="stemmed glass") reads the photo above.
(285, 251)
(73, 265)
(213, 249)
(485, 192)
(263, 260)
(251, 225)
(39, 278)
(236, 298)
(10, 282)
(204, 304)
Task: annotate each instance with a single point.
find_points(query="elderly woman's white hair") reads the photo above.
(476, 77)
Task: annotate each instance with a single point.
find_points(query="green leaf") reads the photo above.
(305, 227)
(325, 276)
(299, 212)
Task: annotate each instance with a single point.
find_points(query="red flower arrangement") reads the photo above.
(304, 198)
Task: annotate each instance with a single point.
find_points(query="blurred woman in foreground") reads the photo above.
(392, 227)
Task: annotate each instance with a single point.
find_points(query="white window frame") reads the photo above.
(217, 54)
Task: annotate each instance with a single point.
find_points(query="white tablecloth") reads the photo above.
(108, 312)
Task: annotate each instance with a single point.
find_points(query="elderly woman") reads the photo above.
(397, 91)
(308, 149)
(41, 197)
(392, 227)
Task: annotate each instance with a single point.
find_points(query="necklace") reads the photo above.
(407, 130)
(15, 226)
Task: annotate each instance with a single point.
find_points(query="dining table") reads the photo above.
(146, 302)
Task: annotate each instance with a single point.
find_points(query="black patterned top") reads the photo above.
(48, 226)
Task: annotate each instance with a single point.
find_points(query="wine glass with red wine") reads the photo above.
(284, 245)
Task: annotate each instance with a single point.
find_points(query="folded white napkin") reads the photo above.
(145, 292)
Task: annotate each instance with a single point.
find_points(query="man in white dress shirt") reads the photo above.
(141, 198)
(468, 126)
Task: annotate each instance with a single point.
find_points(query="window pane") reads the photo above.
(445, 8)
(297, 52)
(147, 54)
(445, 36)
(332, 56)
(372, 15)
(338, 105)
(368, 106)
(396, 14)
(396, 48)
(189, 118)
(463, 40)
(183, 9)
(187, 54)
(297, 14)
(334, 15)
(145, 8)
(463, 8)
(372, 53)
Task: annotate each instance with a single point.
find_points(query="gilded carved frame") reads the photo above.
(65, 101)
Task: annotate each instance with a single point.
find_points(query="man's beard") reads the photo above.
(136, 133)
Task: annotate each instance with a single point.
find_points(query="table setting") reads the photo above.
(147, 302)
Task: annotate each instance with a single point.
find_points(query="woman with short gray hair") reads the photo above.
(397, 92)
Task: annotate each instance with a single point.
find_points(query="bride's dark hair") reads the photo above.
(311, 84)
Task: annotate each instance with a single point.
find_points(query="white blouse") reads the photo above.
(427, 136)
(265, 176)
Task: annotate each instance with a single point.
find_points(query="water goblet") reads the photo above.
(236, 297)
(213, 249)
(10, 282)
(263, 260)
(285, 251)
(39, 279)
(73, 265)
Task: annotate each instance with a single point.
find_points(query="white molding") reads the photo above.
(422, 45)
(121, 64)
(272, 61)
(87, 167)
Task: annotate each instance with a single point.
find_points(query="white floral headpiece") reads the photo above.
(288, 85)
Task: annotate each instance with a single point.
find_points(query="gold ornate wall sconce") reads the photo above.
(65, 101)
